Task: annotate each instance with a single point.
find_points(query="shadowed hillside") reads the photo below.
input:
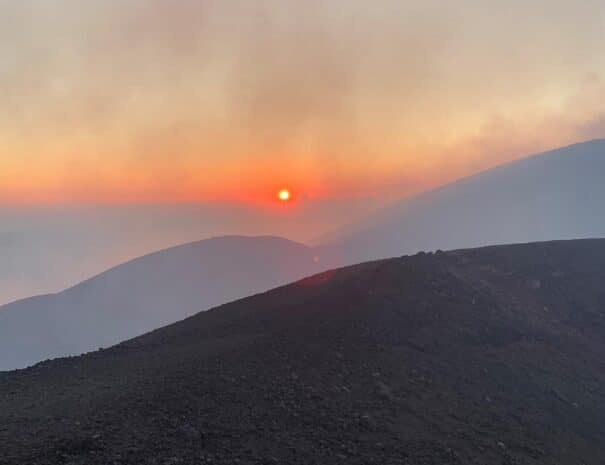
(147, 293)
(486, 356)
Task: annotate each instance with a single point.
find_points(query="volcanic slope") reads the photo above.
(483, 356)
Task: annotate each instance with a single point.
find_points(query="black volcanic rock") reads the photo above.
(486, 356)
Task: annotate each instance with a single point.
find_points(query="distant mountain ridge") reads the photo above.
(148, 292)
(559, 194)
(555, 195)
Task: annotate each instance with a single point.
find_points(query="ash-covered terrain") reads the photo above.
(484, 356)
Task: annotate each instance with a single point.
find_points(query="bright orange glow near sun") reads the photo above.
(284, 195)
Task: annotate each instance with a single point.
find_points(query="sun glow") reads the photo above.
(284, 195)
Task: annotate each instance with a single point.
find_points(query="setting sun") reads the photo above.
(284, 195)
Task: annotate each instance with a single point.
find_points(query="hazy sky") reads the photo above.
(182, 100)
(216, 104)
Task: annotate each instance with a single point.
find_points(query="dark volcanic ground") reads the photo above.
(487, 356)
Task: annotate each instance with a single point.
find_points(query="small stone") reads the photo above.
(367, 422)
(384, 391)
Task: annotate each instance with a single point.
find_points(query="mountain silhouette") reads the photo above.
(489, 355)
(554, 195)
(147, 293)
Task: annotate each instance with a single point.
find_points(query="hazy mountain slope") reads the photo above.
(487, 356)
(555, 195)
(147, 293)
(47, 248)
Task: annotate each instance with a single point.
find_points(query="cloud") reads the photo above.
(178, 98)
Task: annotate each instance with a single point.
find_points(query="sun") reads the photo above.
(284, 195)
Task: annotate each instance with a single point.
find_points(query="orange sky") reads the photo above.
(159, 101)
